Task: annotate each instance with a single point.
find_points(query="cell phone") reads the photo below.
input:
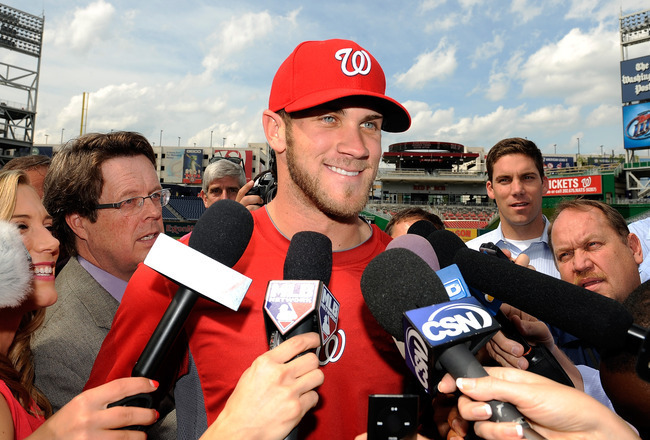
(492, 249)
(393, 416)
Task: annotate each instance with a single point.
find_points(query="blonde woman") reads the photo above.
(24, 411)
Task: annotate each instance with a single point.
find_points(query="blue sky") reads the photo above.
(468, 71)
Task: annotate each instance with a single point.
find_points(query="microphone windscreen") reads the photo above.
(419, 245)
(309, 257)
(422, 228)
(396, 281)
(445, 244)
(597, 319)
(15, 268)
(223, 232)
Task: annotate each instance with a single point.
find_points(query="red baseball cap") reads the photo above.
(317, 72)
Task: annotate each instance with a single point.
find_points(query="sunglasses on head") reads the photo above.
(236, 160)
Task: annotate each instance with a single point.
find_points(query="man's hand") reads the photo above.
(273, 394)
(250, 202)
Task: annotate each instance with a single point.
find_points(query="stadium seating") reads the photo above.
(190, 208)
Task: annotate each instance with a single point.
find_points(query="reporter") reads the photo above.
(272, 395)
(554, 411)
(24, 410)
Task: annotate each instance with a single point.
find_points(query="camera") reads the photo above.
(265, 187)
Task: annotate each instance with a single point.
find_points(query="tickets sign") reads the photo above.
(575, 186)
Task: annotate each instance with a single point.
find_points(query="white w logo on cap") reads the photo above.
(360, 62)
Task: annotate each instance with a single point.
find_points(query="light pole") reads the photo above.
(46, 138)
(210, 138)
(160, 143)
(179, 141)
(223, 143)
(578, 146)
(554, 148)
(601, 150)
(62, 134)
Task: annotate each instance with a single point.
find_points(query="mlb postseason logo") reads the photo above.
(430, 330)
(328, 314)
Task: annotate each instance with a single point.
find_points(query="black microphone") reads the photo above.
(302, 303)
(422, 228)
(446, 244)
(222, 233)
(396, 285)
(540, 360)
(599, 320)
(218, 240)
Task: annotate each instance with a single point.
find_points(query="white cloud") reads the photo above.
(603, 115)
(240, 33)
(436, 64)
(552, 118)
(581, 67)
(429, 5)
(498, 88)
(525, 10)
(88, 27)
(489, 49)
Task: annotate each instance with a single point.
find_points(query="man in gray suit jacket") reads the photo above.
(106, 201)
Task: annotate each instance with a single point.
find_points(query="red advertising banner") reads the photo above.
(575, 186)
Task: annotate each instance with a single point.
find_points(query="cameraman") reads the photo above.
(224, 178)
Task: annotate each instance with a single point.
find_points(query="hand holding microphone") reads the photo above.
(398, 283)
(302, 303)
(557, 411)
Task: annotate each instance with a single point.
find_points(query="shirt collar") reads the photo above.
(113, 285)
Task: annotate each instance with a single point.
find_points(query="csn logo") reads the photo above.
(418, 354)
(455, 319)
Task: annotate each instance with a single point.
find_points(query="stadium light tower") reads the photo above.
(21, 33)
(635, 29)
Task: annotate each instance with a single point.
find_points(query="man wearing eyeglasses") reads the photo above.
(106, 201)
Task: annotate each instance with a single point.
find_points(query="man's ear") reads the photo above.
(274, 130)
(489, 189)
(544, 185)
(634, 244)
(76, 223)
(203, 196)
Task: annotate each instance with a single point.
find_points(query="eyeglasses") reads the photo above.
(134, 205)
(236, 160)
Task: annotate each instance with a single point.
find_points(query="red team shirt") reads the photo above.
(360, 360)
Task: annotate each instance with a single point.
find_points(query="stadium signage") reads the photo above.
(572, 186)
(635, 79)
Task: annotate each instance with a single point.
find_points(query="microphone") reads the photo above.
(422, 228)
(446, 244)
(396, 285)
(218, 240)
(15, 267)
(419, 245)
(222, 234)
(540, 360)
(302, 303)
(599, 320)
